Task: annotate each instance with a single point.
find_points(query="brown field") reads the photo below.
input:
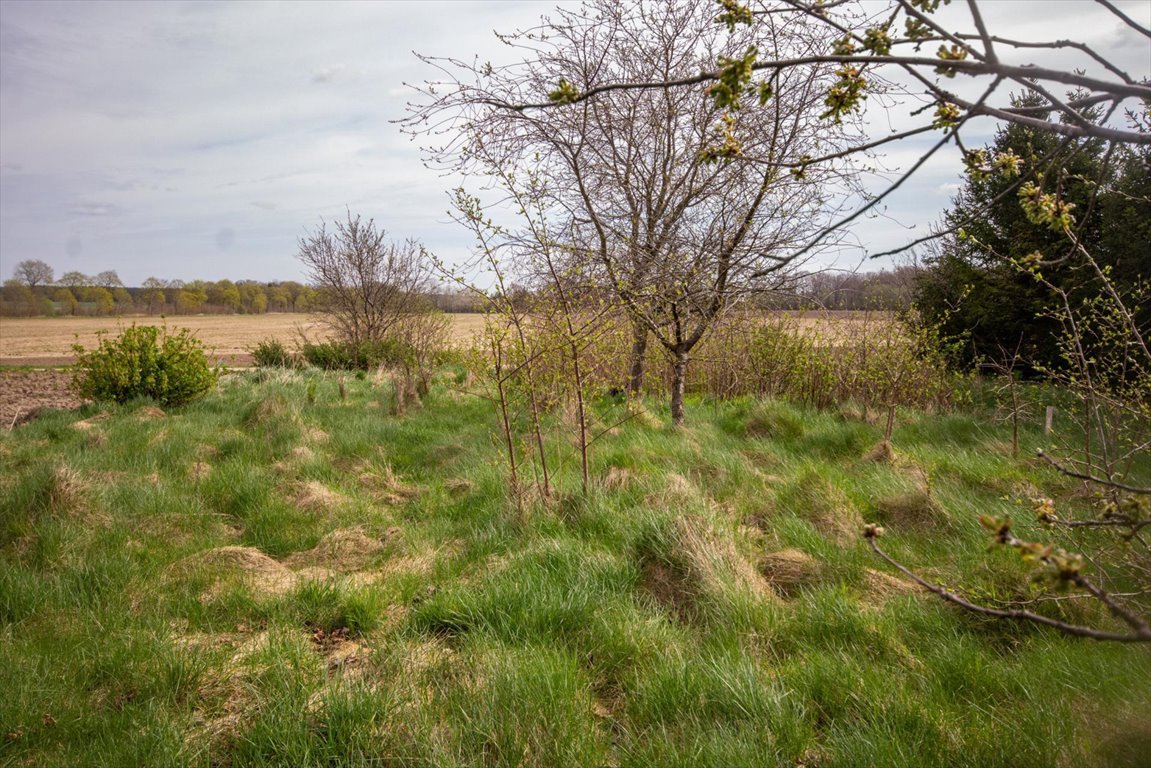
(49, 340)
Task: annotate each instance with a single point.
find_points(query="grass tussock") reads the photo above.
(694, 571)
(278, 575)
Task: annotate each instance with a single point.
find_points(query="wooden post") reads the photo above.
(1050, 421)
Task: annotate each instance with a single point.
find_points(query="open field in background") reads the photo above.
(49, 340)
(275, 575)
(229, 337)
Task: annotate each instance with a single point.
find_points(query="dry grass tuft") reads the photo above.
(791, 570)
(302, 453)
(199, 471)
(91, 423)
(228, 697)
(701, 566)
(68, 492)
(616, 478)
(346, 549)
(264, 576)
(882, 585)
(913, 509)
(639, 413)
(317, 497)
(315, 435)
(824, 504)
(149, 413)
(274, 407)
(677, 492)
(881, 453)
(387, 487)
(458, 487)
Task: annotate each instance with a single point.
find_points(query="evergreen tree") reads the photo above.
(977, 285)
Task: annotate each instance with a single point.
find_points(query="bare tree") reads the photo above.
(872, 39)
(108, 279)
(74, 279)
(33, 273)
(873, 43)
(675, 208)
(366, 283)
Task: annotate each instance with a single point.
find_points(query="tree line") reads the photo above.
(35, 291)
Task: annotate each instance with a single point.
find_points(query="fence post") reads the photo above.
(1049, 423)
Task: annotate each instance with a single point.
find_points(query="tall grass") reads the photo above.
(264, 578)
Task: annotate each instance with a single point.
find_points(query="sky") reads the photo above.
(201, 139)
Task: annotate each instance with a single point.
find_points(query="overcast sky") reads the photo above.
(201, 139)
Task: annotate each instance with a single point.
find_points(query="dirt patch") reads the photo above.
(25, 394)
(790, 571)
(228, 338)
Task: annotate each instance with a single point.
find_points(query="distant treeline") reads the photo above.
(34, 292)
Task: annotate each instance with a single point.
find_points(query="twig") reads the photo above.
(1091, 478)
(1140, 634)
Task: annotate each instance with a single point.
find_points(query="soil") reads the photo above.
(227, 338)
(24, 392)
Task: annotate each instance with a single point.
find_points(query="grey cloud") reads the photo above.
(217, 132)
(92, 208)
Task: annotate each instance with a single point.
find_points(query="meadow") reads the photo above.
(281, 574)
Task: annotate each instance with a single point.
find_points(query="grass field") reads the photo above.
(257, 579)
(225, 335)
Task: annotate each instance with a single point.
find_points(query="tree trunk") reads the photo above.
(678, 379)
(638, 350)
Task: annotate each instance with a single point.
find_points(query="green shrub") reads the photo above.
(144, 361)
(346, 356)
(271, 353)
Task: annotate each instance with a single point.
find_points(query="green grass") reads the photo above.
(255, 579)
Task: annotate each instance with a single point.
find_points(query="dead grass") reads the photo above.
(346, 549)
(264, 576)
(913, 509)
(314, 496)
(387, 487)
(791, 570)
(616, 478)
(149, 413)
(881, 453)
(882, 585)
(823, 504)
(701, 566)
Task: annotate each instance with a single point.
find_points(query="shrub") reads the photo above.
(144, 361)
(271, 353)
(345, 355)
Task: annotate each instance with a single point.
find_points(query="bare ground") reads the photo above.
(228, 338)
(23, 391)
